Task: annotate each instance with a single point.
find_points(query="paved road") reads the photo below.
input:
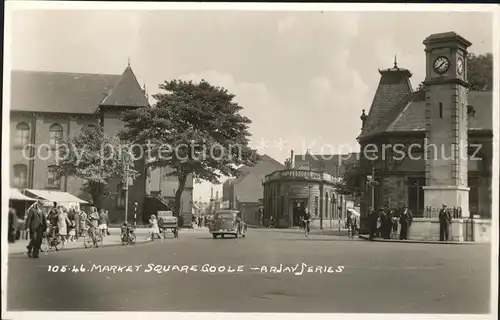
(375, 278)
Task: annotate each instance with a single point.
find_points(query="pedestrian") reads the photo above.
(154, 229)
(83, 222)
(36, 223)
(382, 223)
(103, 222)
(107, 222)
(372, 220)
(444, 223)
(352, 225)
(93, 217)
(77, 223)
(12, 224)
(405, 222)
(389, 223)
(62, 223)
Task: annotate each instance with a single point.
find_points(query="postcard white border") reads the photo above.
(11, 6)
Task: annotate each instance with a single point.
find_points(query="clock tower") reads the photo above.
(446, 122)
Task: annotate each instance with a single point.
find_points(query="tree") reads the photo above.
(194, 128)
(96, 159)
(480, 71)
(353, 177)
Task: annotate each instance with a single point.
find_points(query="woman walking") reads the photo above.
(62, 223)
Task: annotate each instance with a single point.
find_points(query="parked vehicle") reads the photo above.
(227, 222)
(167, 221)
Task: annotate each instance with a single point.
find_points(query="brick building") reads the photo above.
(48, 105)
(400, 115)
(245, 192)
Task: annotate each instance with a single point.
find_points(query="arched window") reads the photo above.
(52, 180)
(22, 134)
(20, 175)
(56, 133)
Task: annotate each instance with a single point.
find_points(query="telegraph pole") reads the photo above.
(373, 187)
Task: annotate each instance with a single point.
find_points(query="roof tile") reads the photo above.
(59, 91)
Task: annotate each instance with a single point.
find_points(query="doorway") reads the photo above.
(298, 211)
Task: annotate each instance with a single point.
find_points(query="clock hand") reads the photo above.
(440, 65)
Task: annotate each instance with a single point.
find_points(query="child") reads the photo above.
(154, 231)
(72, 232)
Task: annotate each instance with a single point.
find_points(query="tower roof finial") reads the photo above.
(395, 62)
(128, 61)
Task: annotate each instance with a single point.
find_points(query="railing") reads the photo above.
(301, 174)
(431, 212)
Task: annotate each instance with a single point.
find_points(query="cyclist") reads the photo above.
(307, 219)
(126, 231)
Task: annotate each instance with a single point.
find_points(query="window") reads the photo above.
(20, 175)
(22, 134)
(120, 199)
(440, 109)
(52, 180)
(56, 133)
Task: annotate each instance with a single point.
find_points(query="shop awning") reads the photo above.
(15, 194)
(55, 196)
(353, 212)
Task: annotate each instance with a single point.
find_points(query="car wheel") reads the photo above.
(214, 235)
(236, 236)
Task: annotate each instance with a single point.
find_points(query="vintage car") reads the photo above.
(226, 222)
(167, 221)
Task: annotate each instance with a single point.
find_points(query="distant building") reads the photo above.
(244, 192)
(45, 106)
(309, 181)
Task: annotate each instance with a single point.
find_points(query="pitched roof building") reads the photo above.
(48, 105)
(397, 115)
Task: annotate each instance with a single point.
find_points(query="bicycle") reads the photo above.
(306, 227)
(93, 238)
(128, 237)
(52, 241)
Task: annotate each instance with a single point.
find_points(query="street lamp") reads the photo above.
(309, 201)
(126, 192)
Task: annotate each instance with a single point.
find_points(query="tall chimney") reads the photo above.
(292, 161)
(211, 192)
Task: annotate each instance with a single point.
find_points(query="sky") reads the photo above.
(303, 78)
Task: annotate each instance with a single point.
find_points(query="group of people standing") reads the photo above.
(384, 222)
(68, 224)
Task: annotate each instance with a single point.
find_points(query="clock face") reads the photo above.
(441, 65)
(460, 66)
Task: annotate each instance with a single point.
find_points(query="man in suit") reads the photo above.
(405, 221)
(444, 223)
(36, 223)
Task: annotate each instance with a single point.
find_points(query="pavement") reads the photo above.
(270, 270)
(367, 237)
(19, 247)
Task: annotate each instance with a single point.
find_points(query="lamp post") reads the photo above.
(309, 200)
(136, 207)
(126, 192)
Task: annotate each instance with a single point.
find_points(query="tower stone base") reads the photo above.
(452, 196)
